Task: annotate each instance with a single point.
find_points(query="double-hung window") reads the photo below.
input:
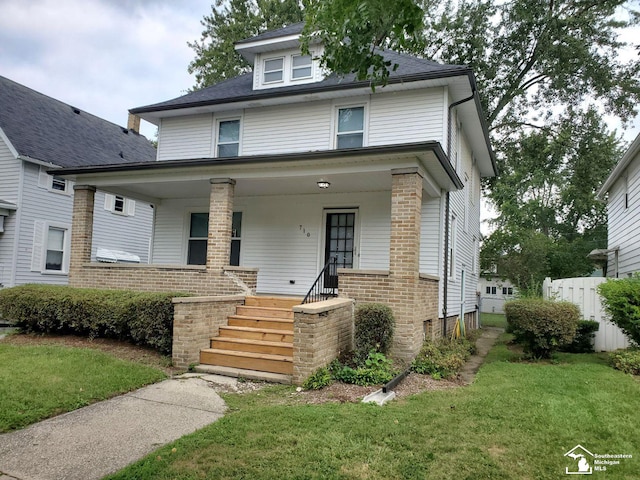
(229, 138)
(55, 249)
(273, 70)
(300, 66)
(350, 131)
(58, 184)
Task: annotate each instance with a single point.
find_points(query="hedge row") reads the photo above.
(139, 317)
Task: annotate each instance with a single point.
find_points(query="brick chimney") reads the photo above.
(133, 123)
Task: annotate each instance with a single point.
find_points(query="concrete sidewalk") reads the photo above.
(102, 438)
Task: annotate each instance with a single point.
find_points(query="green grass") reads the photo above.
(37, 382)
(493, 320)
(515, 422)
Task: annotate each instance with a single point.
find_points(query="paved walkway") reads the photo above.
(483, 345)
(102, 438)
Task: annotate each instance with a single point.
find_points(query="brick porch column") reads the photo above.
(81, 231)
(220, 217)
(404, 260)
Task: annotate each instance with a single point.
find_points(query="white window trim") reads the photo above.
(39, 248)
(217, 134)
(45, 180)
(365, 121)
(129, 209)
(265, 71)
(293, 69)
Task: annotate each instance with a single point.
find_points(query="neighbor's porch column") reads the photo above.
(404, 260)
(220, 217)
(81, 231)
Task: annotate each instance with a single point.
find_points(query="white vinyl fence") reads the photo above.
(582, 292)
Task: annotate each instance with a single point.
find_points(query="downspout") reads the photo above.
(447, 212)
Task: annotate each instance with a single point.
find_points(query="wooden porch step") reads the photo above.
(256, 346)
(242, 373)
(247, 360)
(266, 312)
(276, 302)
(261, 322)
(250, 333)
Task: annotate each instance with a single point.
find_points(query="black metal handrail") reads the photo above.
(326, 284)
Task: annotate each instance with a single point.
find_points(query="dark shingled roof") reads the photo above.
(46, 129)
(240, 88)
(293, 29)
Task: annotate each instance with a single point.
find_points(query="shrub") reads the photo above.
(374, 370)
(542, 326)
(627, 361)
(142, 318)
(374, 325)
(443, 358)
(583, 341)
(319, 379)
(621, 300)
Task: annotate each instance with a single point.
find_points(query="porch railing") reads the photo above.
(326, 285)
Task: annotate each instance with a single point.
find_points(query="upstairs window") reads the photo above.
(300, 66)
(273, 70)
(229, 138)
(59, 184)
(350, 132)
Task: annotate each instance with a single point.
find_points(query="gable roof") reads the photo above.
(620, 167)
(293, 29)
(240, 88)
(45, 129)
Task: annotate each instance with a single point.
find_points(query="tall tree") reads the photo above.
(230, 21)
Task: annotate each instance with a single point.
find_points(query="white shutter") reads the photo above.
(38, 246)
(43, 178)
(131, 207)
(109, 202)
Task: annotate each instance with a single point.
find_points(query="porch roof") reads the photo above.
(176, 178)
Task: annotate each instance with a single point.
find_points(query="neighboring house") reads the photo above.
(622, 192)
(494, 291)
(261, 179)
(38, 134)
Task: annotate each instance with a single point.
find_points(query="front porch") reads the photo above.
(381, 218)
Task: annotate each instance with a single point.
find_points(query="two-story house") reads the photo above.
(263, 180)
(622, 192)
(38, 134)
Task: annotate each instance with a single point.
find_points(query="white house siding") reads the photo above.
(624, 223)
(131, 234)
(300, 127)
(185, 137)
(38, 204)
(405, 117)
(170, 234)
(9, 181)
(396, 117)
(467, 230)
(431, 236)
(283, 235)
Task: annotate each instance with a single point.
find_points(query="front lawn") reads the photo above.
(515, 422)
(37, 382)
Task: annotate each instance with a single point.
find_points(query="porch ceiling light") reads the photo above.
(322, 183)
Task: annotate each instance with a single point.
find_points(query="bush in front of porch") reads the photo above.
(139, 317)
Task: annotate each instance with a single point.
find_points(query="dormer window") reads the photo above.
(273, 70)
(301, 66)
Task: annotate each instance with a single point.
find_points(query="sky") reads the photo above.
(102, 56)
(108, 56)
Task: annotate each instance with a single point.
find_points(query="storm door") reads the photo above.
(340, 242)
